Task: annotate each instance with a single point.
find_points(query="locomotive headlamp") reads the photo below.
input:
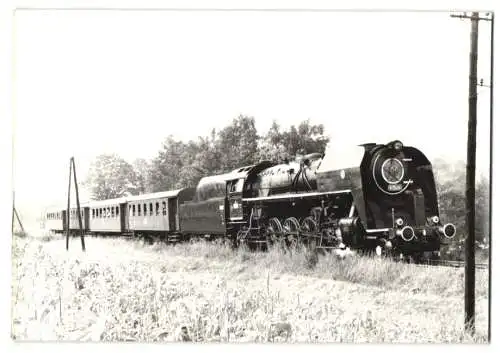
(435, 219)
(398, 145)
(399, 222)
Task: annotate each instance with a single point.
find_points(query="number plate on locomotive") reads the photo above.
(394, 187)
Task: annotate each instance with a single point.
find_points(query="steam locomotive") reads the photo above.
(378, 197)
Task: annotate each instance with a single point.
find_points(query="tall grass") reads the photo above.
(121, 290)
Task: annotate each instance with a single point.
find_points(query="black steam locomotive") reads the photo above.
(384, 199)
(379, 197)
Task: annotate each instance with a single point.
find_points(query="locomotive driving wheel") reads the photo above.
(309, 227)
(291, 226)
(274, 232)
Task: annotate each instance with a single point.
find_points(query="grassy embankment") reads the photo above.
(121, 290)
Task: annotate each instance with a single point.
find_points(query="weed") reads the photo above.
(203, 292)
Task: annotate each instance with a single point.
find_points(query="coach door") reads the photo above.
(123, 217)
(64, 220)
(172, 214)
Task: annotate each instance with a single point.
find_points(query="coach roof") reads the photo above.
(155, 195)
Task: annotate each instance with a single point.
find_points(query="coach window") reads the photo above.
(112, 212)
(117, 211)
(164, 206)
(133, 210)
(145, 210)
(139, 210)
(150, 208)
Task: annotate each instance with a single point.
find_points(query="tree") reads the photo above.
(450, 183)
(305, 139)
(110, 176)
(166, 167)
(238, 143)
(142, 169)
(202, 159)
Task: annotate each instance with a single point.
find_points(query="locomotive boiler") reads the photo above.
(296, 176)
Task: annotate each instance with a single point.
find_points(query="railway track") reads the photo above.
(456, 264)
(322, 250)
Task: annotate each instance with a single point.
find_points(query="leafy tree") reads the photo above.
(304, 139)
(179, 164)
(110, 176)
(142, 169)
(165, 170)
(272, 146)
(238, 143)
(202, 159)
(452, 202)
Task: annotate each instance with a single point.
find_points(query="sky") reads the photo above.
(92, 82)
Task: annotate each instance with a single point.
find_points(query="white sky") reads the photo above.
(91, 82)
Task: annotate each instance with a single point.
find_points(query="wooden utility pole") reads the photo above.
(68, 208)
(470, 188)
(78, 206)
(68, 215)
(470, 181)
(13, 210)
(15, 214)
(491, 164)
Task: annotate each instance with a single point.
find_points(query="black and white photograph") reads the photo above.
(258, 175)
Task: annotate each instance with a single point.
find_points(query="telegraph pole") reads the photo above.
(470, 189)
(79, 215)
(68, 208)
(491, 165)
(78, 205)
(470, 181)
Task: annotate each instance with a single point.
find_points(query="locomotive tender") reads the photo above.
(379, 197)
